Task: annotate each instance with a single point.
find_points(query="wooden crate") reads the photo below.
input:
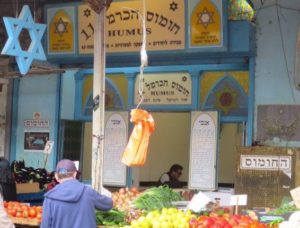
(267, 188)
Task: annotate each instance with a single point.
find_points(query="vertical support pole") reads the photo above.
(99, 101)
(251, 95)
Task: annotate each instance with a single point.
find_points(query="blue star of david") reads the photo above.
(12, 46)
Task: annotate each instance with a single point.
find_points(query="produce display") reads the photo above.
(164, 218)
(156, 198)
(285, 208)
(225, 221)
(113, 217)
(154, 208)
(23, 174)
(22, 213)
(122, 201)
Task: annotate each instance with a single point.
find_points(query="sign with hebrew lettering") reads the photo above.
(207, 23)
(61, 34)
(165, 26)
(165, 89)
(265, 162)
(203, 150)
(115, 141)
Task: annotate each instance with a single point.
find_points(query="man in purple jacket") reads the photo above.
(71, 204)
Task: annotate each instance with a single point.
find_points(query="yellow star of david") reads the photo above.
(12, 46)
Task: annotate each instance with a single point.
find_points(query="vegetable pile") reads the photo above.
(20, 210)
(156, 198)
(284, 209)
(123, 198)
(225, 221)
(113, 217)
(25, 174)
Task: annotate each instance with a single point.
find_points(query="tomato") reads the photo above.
(13, 212)
(5, 204)
(32, 212)
(25, 214)
(39, 209)
(24, 207)
(19, 214)
(39, 216)
(193, 223)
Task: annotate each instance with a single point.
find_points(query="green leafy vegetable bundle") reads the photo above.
(112, 217)
(156, 198)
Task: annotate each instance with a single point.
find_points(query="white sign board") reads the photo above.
(238, 200)
(165, 89)
(115, 141)
(203, 150)
(295, 193)
(48, 147)
(265, 162)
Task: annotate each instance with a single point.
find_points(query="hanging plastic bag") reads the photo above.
(136, 150)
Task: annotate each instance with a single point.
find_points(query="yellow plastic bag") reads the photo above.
(136, 150)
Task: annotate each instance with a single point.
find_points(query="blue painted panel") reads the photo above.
(36, 94)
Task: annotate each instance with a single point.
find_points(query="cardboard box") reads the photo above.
(27, 188)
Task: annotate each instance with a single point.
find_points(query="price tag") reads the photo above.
(295, 193)
(238, 200)
(48, 147)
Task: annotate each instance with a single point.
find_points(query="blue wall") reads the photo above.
(276, 32)
(36, 94)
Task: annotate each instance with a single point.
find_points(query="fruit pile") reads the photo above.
(20, 210)
(123, 198)
(167, 217)
(122, 201)
(225, 221)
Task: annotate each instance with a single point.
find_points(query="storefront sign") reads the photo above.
(61, 36)
(36, 123)
(261, 162)
(206, 23)
(165, 26)
(165, 89)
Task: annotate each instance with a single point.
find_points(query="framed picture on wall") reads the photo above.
(35, 141)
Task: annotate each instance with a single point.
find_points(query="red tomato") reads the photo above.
(25, 214)
(193, 223)
(5, 204)
(39, 215)
(19, 214)
(13, 212)
(39, 209)
(32, 212)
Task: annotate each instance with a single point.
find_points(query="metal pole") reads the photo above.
(99, 101)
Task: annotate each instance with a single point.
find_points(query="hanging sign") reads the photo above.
(203, 150)
(165, 26)
(60, 21)
(165, 89)
(12, 47)
(207, 23)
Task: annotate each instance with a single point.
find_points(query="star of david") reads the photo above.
(87, 13)
(173, 6)
(12, 46)
(205, 18)
(60, 27)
